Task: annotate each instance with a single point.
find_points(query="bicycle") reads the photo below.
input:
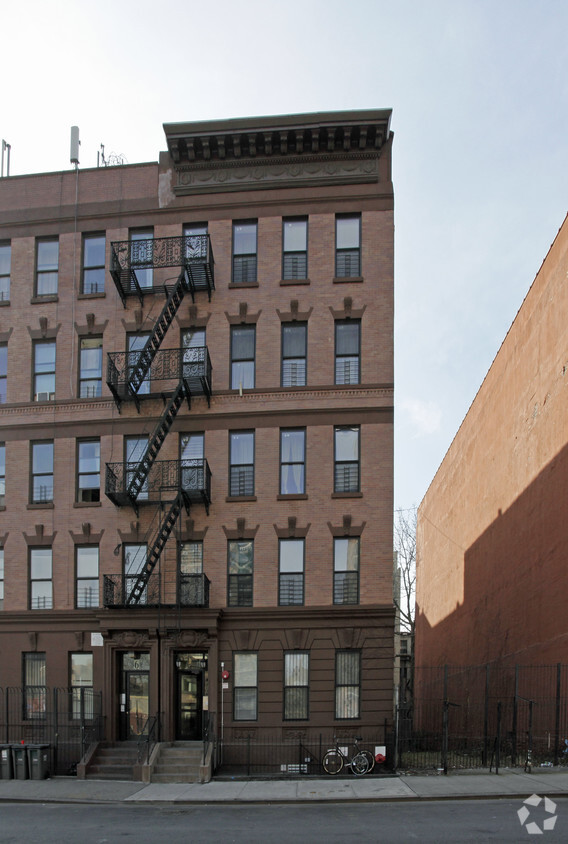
(361, 761)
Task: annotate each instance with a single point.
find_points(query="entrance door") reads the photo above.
(190, 706)
(134, 697)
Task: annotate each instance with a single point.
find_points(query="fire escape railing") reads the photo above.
(164, 480)
(193, 253)
(183, 590)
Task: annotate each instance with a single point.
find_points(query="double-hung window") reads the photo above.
(191, 581)
(347, 684)
(93, 263)
(90, 367)
(195, 241)
(41, 583)
(3, 372)
(243, 343)
(192, 462)
(5, 261)
(34, 685)
(294, 351)
(245, 701)
(2, 474)
(88, 470)
(194, 353)
(47, 266)
(244, 252)
(291, 572)
(346, 571)
(81, 676)
(346, 469)
(295, 248)
(296, 685)
(292, 461)
(240, 565)
(87, 581)
(134, 561)
(142, 256)
(348, 246)
(135, 449)
(42, 472)
(44, 370)
(136, 343)
(241, 457)
(347, 351)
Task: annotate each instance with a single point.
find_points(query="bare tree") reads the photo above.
(405, 548)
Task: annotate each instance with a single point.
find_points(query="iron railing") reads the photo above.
(346, 587)
(346, 477)
(150, 735)
(167, 369)
(160, 590)
(291, 589)
(242, 480)
(165, 479)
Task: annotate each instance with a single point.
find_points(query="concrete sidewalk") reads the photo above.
(472, 785)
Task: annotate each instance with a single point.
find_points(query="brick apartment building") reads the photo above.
(196, 387)
(492, 529)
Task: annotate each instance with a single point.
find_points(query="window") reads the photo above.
(241, 556)
(87, 558)
(348, 246)
(292, 461)
(134, 562)
(346, 459)
(347, 351)
(294, 248)
(294, 335)
(41, 584)
(291, 572)
(347, 684)
(192, 467)
(346, 571)
(33, 681)
(241, 480)
(142, 256)
(3, 372)
(296, 689)
(91, 367)
(136, 343)
(194, 357)
(42, 473)
(135, 449)
(245, 703)
(195, 242)
(44, 370)
(243, 342)
(191, 584)
(1, 578)
(81, 676)
(93, 263)
(88, 470)
(5, 261)
(2, 474)
(244, 252)
(47, 267)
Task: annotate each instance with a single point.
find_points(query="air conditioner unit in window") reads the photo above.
(44, 397)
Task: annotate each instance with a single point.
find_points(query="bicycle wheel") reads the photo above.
(359, 764)
(370, 759)
(332, 762)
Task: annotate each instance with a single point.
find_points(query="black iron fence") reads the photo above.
(484, 716)
(69, 720)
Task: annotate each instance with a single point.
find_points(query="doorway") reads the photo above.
(134, 695)
(190, 683)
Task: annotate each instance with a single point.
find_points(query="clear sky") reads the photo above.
(479, 92)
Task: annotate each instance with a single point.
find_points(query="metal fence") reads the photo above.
(484, 716)
(69, 720)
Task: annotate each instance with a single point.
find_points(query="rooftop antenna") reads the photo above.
(5, 148)
(75, 144)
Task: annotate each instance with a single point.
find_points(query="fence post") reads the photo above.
(557, 716)
(515, 715)
(55, 727)
(498, 748)
(445, 737)
(248, 756)
(528, 763)
(486, 720)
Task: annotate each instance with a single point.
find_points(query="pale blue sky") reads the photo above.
(479, 92)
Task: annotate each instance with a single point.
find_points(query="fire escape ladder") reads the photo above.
(158, 436)
(157, 546)
(140, 370)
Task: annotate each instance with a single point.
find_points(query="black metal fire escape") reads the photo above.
(180, 372)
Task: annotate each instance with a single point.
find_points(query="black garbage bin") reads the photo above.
(20, 761)
(38, 761)
(6, 766)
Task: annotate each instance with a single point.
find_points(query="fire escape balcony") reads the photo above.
(131, 261)
(185, 590)
(165, 480)
(167, 369)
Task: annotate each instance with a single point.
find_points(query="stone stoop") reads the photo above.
(179, 761)
(113, 761)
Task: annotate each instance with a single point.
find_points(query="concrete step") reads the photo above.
(175, 777)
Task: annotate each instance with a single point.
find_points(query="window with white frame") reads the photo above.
(294, 354)
(347, 684)
(240, 572)
(291, 572)
(346, 571)
(89, 470)
(41, 491)
(244, 252)
(245, 701)
(346, 464)
(81, 677)
(292, 461)
(243, 351)
(44, 370)
(294, 248)
(296, 685)
(348, 246)
(93, 263)
(90, 367)
(41, 579)
(347, 351)
(87, 580)
(241, 459)
(47, 266)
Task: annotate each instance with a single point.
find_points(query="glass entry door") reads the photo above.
(191, 697)
(134, 695)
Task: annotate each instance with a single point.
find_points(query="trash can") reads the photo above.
(6, 767)
(38, 760)
(20, 761)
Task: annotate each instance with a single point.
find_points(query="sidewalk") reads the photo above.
(475, 785)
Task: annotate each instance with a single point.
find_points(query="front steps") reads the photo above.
(179, 761)
(113, 762)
